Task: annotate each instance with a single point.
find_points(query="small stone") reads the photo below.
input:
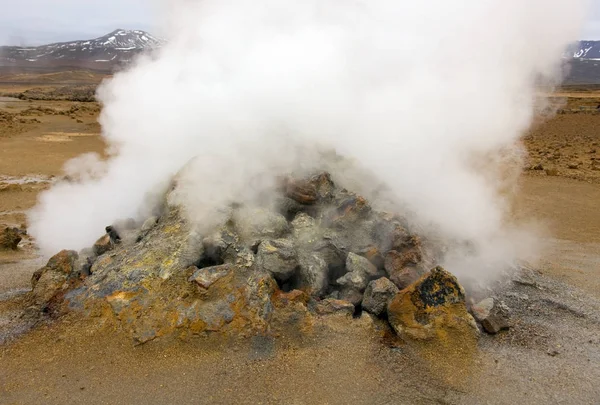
(573, 166)
(330, 306)
(360, 264)
(539, 166)
(482, 309)
(378, 295)
(278, 257)
(553, 352)
(209, 275)
(492, 315)
(494, 324)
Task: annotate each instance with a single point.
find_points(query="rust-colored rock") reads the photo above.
(401, 267)
(103, 245)
(48, 281)
(309, 191)
(433, 309)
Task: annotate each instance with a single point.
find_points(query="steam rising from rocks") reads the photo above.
(430, 97)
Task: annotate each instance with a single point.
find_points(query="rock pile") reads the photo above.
(322, 250)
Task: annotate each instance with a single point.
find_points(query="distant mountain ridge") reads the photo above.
(118, 48)
(588, 50)
(104, 53)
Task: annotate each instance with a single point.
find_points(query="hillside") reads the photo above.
(104, 53)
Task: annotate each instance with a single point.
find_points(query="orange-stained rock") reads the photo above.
(433, 309)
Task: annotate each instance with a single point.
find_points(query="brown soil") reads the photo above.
(343, 360)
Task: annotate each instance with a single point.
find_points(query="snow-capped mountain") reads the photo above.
(103, 53)
(589, 50)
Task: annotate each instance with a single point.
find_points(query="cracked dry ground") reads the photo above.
(550, 355)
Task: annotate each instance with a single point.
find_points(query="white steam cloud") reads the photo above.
(417, 92)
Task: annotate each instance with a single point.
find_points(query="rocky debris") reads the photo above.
(258, 271)
(432, 308)
(378, 295)
(278, 257)
(10, 238)
(330, 306)
(492, 316)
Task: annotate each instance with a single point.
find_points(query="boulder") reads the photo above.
(48, 281)
(312, 274)
(103, 245)
(378, 295)
(278, 257)
(10, 238)
(432, 309)
(252, 224)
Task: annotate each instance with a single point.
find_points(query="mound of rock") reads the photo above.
(322, 250)
(10, 238)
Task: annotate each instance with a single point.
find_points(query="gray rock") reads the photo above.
(378, 295)
(209, 275)
(351, 295)
(313, 273)
(492, 315)
(84, 262)
(482, 309)
(360, 264)
(360, 270)
(256, 223)
(278, 257)
(221, 246)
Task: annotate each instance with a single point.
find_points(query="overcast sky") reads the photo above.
(34, 22)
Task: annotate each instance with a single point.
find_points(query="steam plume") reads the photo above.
(417, 92)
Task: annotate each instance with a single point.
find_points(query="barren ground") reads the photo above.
(551, 355)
